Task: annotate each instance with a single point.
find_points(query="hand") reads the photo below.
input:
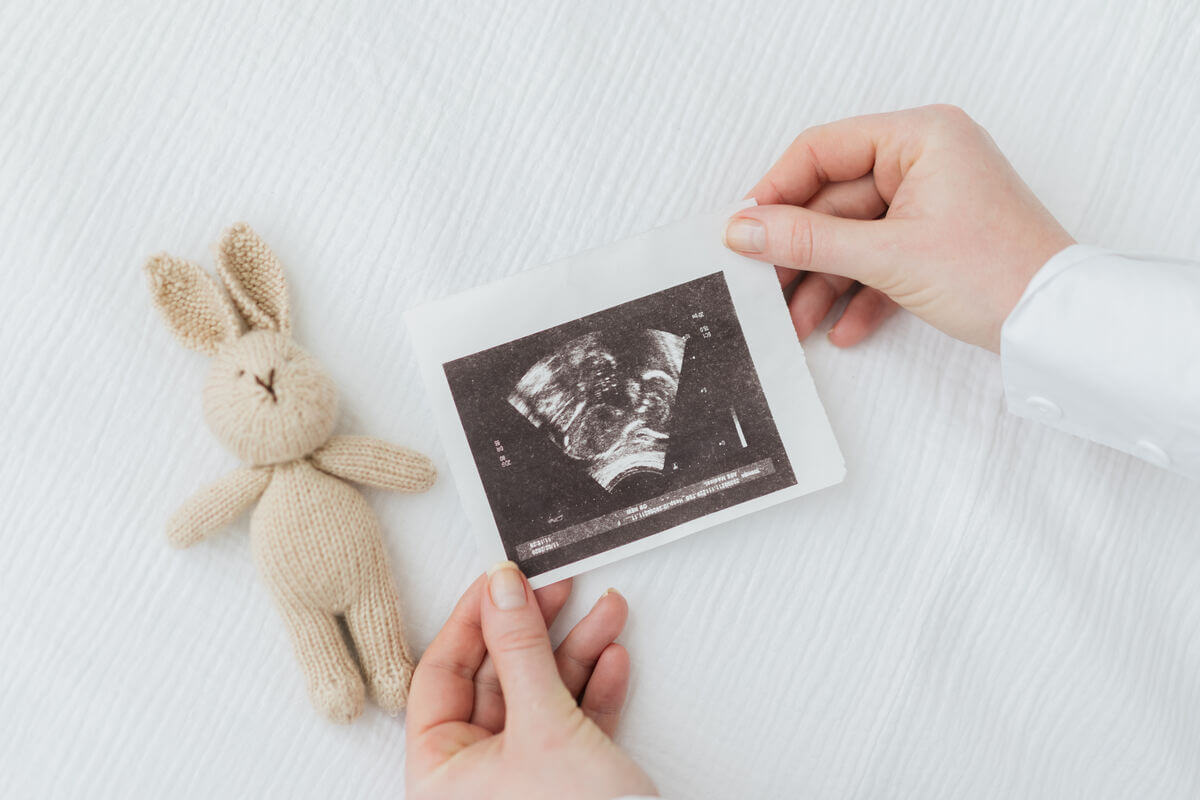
(919, 206)
(492, 711)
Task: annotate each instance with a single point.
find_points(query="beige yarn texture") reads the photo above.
(316, 542)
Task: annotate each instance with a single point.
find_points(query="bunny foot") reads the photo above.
(389, 687)
(340, 698)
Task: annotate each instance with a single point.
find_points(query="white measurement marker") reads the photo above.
(738, 425)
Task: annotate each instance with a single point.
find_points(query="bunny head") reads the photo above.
(266, 399)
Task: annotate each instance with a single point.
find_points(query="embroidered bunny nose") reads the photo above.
(268, 384)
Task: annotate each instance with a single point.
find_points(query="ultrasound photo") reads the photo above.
(618, 425)
(606, 399)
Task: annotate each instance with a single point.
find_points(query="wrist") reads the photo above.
(1017, 281)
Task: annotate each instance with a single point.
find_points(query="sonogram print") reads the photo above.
(614, 426)
(605, 399)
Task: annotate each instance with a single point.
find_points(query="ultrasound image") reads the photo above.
(606, 400)
(618, 425)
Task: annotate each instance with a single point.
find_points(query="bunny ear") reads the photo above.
(192, 303)
(254, 278)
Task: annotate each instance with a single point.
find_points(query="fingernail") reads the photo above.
(745, 235)
(610, 590)
(506, 587)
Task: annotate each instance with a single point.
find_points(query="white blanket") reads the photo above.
(985, 608)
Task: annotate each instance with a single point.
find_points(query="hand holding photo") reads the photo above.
(627, 397)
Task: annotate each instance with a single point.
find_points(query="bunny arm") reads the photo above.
(216, 505)
(374, 462)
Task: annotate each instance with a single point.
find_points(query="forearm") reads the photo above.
(374, 462)
(1107, 347)
(217, 505)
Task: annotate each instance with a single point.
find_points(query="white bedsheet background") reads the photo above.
(985, 608)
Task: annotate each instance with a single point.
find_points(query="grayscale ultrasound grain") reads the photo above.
(606, 400)
(618, 425)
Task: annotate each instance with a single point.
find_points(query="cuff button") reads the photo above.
(1043, 408)
(1151, 452)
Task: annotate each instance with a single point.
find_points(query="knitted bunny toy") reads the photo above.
(315, 540)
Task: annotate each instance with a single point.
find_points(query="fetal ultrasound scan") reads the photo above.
(606, 399)
(617, 425)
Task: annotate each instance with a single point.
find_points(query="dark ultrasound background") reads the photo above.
(533, 486)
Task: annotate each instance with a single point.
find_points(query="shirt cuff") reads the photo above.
(1107, 347)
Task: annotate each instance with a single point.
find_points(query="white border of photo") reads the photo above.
(537, 299)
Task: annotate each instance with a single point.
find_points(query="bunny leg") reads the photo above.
(334, 684)
(378, 632)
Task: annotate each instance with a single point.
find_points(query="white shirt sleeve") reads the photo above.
(1107, 347)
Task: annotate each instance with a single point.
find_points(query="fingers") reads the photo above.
(802, 239)
(875, 150)
(443, 686)
(552, 598)
(489, 700)
(839, 151)
(813, 298)
(866, 311)
(575, 658)
(604, 696)
(579, 652)
(857, 199)
(817, 292)
(515, 635)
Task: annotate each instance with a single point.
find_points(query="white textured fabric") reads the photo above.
(1107, 347)
(986, 608)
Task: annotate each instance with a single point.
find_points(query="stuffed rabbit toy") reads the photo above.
(315, 540)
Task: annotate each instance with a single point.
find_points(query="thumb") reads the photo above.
(515, 634)
(799, 238)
